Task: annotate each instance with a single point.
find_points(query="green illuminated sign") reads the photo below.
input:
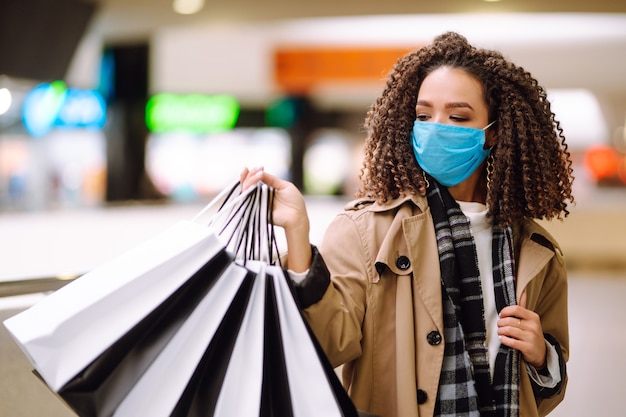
(194, 113)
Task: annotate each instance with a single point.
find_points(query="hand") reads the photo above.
(520, 328)
(289, 212)
(289, 207)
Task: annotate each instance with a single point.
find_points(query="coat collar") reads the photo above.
(394, 247)
(372, 205)
(534, 244)
(536, 248)
(410, 235)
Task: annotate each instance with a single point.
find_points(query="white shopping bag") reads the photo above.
(268, 365)
(244, 376)
(67, 330)
(163, 384)
(310, 385)
(197, 321)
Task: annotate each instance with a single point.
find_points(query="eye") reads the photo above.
(458, 119)
(422, 117)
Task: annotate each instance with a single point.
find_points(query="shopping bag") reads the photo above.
(195, 362)
(101, 386)
(264, 363)
(69, 334)
(225, 337)
(314, 387)
(68, 329)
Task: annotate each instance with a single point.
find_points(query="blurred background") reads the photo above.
(120, 117)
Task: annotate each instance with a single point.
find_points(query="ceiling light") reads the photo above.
(580, 116)
(187, 6)
(5, 100)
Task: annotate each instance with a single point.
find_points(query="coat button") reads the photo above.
(403, 263)
(434, 338)
(422, 397)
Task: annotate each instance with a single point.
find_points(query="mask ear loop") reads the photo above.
(426, 182)
(489, 125)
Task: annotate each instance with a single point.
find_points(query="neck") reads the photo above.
(472, 189)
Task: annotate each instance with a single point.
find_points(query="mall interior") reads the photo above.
(119, 118)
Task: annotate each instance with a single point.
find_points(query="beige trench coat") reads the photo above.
(382, 316)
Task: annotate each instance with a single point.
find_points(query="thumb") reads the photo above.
(522, 300)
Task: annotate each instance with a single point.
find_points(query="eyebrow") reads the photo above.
(448, 105)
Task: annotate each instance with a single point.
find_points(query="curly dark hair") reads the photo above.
(532, 167)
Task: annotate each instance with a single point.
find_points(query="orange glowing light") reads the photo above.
(602, 162)
(298, 69)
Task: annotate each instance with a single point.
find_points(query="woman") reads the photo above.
(436, 290)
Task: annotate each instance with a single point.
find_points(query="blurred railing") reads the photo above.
(33, 286)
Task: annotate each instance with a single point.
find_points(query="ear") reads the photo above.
(491, 139)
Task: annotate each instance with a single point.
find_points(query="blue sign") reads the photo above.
(54, 105)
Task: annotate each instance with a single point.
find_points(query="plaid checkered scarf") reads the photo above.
(465, 387)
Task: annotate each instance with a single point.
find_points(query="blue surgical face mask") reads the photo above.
(449, 153)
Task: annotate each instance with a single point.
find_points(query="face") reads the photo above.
(452, 96)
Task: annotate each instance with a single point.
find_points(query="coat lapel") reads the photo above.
(533, 257)
(412, 235)
(420, 236)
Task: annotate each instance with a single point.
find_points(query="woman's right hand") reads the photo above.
(289, 213)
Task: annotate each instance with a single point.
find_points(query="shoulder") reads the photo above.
(364, 205)
(530, 229)
(373, 221)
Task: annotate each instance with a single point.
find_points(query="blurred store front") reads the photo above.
(52, 147)
(174, 115)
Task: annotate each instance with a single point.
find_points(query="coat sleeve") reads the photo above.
(333, 294)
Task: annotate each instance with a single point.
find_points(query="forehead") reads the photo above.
(449, 85)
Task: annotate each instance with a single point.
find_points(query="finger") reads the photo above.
(274, 181)
(522, 299)
(255, 171)
(511, 322)
(243, 175)
(533, 349)
(513, 343)
(512, 311)
(515, 327)
(509, 334)
(252, 176)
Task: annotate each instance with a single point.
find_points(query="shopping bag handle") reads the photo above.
(256, 237)
(245, 220)
(223, 196)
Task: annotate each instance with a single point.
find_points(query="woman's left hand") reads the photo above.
(520, 328)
